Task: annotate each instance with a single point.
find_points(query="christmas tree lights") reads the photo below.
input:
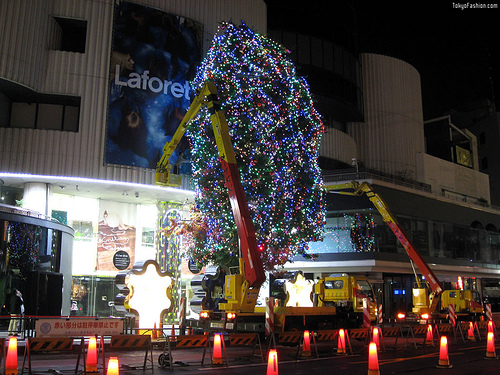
(276, 135)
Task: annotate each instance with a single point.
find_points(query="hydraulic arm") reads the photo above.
(356, 188)
(253, 269)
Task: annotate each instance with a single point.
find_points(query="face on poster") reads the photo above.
(154, 56)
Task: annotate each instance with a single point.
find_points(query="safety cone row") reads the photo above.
(444, 360)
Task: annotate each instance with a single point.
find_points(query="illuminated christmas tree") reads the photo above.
(276, 136)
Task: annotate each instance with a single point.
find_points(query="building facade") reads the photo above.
(65, 143)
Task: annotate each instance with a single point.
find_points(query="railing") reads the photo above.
(365, 175)
(25, 212)
(420, 186)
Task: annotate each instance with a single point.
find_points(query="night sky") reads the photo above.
(455, 51)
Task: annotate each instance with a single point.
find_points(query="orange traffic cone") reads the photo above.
(91, 364)
(11, 359)
(306, 344)
(217, 353)
(272, 362)
(444, 361)
(429, 339)
(154, 336)
(375, 335)
(113, 367)
(470, 332)
(490, 346)
(341, 343)
(373, 359)
(172, 333)
(490, 325)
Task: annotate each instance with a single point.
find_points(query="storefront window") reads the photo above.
(94, 296)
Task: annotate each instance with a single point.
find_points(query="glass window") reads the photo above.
(49, 116)
(83, 230)
(32, 248)
(365, 288)
(335, 284)
(72, 34)
(23, 115)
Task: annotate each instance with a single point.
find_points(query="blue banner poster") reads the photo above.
(154, 56)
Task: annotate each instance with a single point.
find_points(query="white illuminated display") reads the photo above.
(299, 293)
(149, 295)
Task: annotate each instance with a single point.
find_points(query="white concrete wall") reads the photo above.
(393, 131)
(450, 177)
(26, 58)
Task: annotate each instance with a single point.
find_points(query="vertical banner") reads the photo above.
(117, 235)
(169, 247)
(154, 55)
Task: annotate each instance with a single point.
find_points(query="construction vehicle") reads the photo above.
(428, 291)
(231, 295)
(465, 302)
(350, 294)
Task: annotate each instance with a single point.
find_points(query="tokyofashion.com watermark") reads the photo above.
(463, 6)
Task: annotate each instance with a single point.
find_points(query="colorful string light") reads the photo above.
(276, 135)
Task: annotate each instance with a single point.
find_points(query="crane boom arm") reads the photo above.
(365, 188)
(208, 96)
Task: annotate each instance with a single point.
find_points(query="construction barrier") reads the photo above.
(134, 342)
(445, 329)
(292, 337)
(358, 334)
(247, 339)
(188, 341)
(419, 332)
(49, 344)
(394, 332)
(485, 326)
(468, 331)
(180, 342)
(326, 335)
